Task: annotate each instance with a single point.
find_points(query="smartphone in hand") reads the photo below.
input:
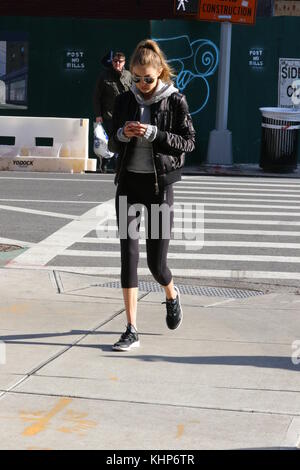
(127, 123)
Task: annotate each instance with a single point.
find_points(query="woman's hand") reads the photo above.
(134, 129)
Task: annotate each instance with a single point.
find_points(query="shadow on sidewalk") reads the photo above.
(17, 339)
(269, 362)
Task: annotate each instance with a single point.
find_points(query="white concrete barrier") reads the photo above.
(66, 149)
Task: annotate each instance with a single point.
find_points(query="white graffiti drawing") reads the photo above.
(181, 4)
(194, 62)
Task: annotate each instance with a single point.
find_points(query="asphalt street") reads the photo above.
(251, 227)
(58, 193)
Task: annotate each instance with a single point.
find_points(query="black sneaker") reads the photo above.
(128, 340)
(174, 311)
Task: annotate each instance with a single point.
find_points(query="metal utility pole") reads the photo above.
(220, 139)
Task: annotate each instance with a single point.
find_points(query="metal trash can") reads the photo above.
(279, 140)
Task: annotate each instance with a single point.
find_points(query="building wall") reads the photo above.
(121, 9)
(191, 46)
(254, 72)
(265, 7)
(105, 9)
(53, 89)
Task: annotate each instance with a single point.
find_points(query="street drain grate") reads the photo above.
(7, 248)
(190, 290)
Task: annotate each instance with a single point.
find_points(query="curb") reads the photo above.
(250, 170)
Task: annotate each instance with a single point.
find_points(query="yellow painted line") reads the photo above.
(180, 431)
(42, 423)
(115, 379)
(15, 308)
(77, 423)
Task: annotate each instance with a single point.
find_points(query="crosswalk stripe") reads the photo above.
(238, 193)
(241, 179)
(217, 184)
(293, 233)
(195, 211)
(222, 203)
(196, 256)
(269, 192)
(187, 220)
(192, 207)
(43, 252)
(200, 205)
(221, 199)
(193, 273)
(54, 201)
(57, 180)
(36, 212)
(225, 243)
(240, 221)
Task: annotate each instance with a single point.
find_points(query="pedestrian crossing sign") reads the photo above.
(186, 7)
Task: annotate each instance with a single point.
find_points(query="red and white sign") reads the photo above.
(233, 11)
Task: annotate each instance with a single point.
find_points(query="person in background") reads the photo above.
(113, 81)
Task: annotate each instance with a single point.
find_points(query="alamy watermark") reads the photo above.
(187, 228)
(296, 352)
(2, 353)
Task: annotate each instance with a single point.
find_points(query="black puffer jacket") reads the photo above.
(109, 85)
(175, 136)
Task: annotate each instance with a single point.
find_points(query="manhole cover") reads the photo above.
(190, 290)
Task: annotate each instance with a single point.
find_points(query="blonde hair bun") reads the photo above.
(148, 52)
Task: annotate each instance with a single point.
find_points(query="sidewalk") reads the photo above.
(238, 169)
(224, 380)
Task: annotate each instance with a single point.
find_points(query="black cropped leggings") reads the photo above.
(139, 189)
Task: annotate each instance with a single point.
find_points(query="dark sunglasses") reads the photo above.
(118, 60)
(147, 80)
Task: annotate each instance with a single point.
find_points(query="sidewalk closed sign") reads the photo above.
(289, 82)
(233, 11)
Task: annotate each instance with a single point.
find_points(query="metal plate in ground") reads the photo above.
(190, 290)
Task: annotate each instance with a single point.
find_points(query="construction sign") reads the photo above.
(232, 11)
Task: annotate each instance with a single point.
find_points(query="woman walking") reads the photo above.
(152, 131)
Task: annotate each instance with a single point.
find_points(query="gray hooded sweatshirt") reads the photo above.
(140, 161)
